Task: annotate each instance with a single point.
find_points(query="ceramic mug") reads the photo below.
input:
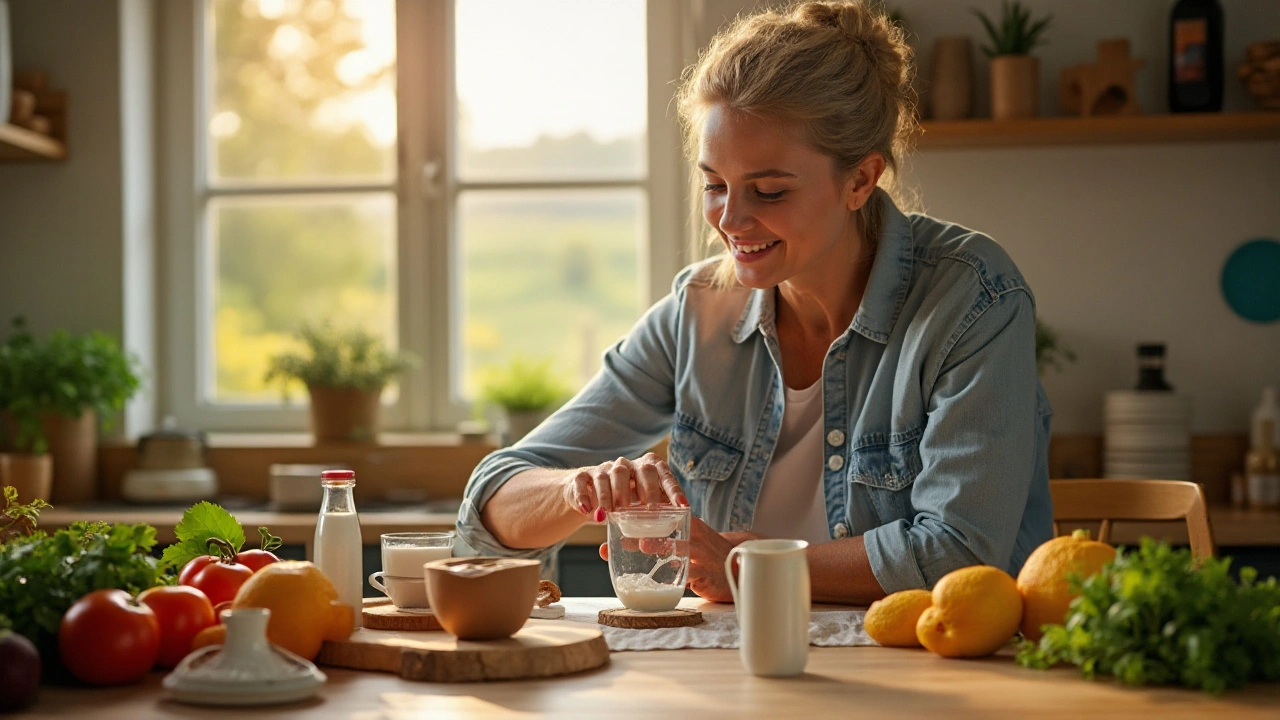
(772, 600)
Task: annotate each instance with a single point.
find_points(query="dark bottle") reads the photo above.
(1195, 57)
(1151, 368)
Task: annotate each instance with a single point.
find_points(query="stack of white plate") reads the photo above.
(1147, 435)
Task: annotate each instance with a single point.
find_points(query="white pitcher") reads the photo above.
(772, 601)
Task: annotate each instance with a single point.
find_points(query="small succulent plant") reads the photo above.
(1017, 34)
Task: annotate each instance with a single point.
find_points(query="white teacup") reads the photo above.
(403, 555)
(405, 593)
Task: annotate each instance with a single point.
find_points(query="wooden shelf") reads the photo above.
(20, 144)
(1126, 130)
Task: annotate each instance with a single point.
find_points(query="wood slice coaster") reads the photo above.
(624, 618)
(380, 614)
(533, 652)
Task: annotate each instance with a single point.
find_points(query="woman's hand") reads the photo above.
(707, 552)
(622, 482)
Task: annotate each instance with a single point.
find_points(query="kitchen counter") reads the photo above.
(292, 527)
(868, 682)
(1232, 527)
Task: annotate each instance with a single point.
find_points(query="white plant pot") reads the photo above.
(522, 422)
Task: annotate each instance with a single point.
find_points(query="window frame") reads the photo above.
(426, 217)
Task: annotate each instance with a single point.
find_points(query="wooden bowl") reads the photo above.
(482, 598)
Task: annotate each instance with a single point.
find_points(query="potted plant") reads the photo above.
(55, 394)
(1051, 351)
(1015, 73)
(345, 370)
(526, 390)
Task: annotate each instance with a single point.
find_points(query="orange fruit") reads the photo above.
(975, 611)
(305, 610)
(1043, 579)
(212, 635)
(891, 621)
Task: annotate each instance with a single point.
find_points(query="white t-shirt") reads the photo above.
(792, 503)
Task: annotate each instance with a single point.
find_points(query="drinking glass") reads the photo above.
(649, 556)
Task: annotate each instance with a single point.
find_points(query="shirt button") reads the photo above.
(835, 438)
(842, 531)
(835, 462)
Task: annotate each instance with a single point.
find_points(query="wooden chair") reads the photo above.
(1109, 500)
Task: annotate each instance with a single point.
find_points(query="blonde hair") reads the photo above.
(839, 72)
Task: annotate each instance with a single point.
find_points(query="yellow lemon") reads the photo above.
(892, 620)
(975, 611)
(1043, 579)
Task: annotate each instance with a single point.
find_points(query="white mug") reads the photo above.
(772, 602)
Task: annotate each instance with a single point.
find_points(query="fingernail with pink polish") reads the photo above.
(599, 516)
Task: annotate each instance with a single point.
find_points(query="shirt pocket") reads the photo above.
(882, 471)
(700, 462)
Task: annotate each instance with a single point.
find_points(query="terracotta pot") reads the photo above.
(345, 415)
(482, 598)
(31, 475)
(951, 88)
(1015, 87)
(73, 446)
(522, 422)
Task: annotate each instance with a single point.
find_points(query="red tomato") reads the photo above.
(220, 580)
(194, 566)
(106, 639)
(182, 612)
(255, 560)
(217, 610)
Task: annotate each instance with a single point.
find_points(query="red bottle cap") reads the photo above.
(338, 475)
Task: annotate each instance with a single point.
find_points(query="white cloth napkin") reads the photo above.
(829, 626)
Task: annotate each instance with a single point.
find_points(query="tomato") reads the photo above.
(106, 639)
(182, 612)
(255, 560)
(217, 610)
(194, 566)
(220, 580)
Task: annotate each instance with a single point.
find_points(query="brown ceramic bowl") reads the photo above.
(482, 598)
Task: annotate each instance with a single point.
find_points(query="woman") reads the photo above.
(843, 373)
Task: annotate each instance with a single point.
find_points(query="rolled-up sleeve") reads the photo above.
(624, 410)
(977, 452)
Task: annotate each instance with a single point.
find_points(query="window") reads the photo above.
(472, 179)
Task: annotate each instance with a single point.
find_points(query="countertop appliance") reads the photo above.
(171, 468)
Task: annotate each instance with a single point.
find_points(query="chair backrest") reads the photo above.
(1109, 500)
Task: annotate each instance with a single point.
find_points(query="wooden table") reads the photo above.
(861, 682)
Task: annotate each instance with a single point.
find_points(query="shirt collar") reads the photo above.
(886, 288)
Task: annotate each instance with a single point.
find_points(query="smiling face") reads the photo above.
(775, 202)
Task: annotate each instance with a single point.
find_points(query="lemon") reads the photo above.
(975, 611)
(892, 620)
(1043, 579)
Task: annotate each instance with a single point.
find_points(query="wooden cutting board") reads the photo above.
(537, 650)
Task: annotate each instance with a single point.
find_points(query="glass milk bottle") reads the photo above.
(337, 550)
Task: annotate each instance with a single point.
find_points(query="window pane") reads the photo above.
(278, 262)
(302, 91)
(547, 275)
(551, 90)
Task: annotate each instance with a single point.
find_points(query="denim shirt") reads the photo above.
(936, 427)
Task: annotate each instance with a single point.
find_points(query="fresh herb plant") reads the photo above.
(336, 357)
(1156, 616)
(523, 385)
(42, 575)
(200, 523)
(65, 374)
(18, 519)
(1017, 34)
